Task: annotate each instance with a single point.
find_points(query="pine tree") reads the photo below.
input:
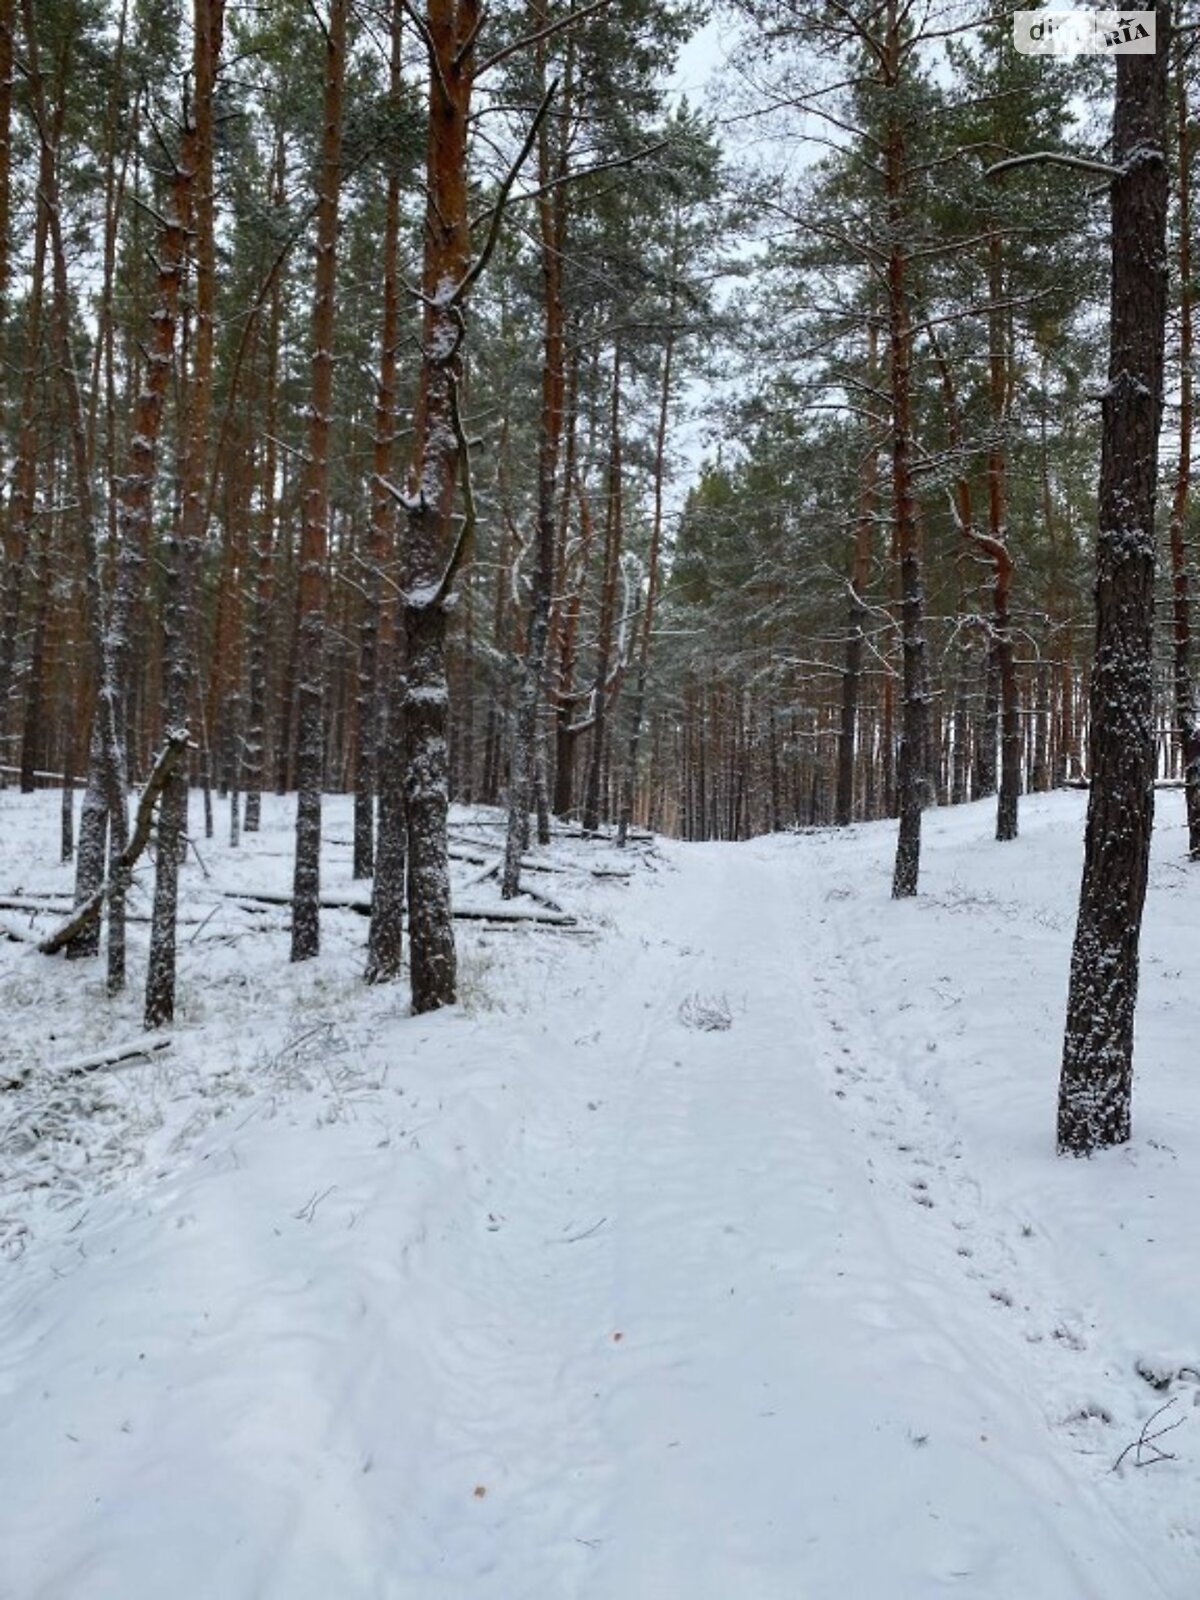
(1095, 1092)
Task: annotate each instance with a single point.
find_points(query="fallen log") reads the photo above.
(530, 865)
(52, 905)
(361, 905)
(113, 1055)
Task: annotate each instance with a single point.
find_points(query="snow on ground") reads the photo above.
(714, 1249)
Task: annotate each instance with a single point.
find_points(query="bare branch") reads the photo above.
(479, 265)
(168, 759)
(1053, 158)
(614, 165)
(547, 32)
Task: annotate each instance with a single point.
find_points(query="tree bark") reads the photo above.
(194, 198)
(433, 553)
(551, 229)
(383, 513)
(19, 525)
(314, 539)
(613, 530)
(843, 805)
(1181, 620)
(254, 754)
(105, 793)
(911, 778)
(1008, 795)
(1095, 1089)
(653, 559)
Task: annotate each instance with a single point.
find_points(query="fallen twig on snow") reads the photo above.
(1145, 1440)
(574, 1238)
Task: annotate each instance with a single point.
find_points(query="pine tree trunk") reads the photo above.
(193, 197)
(911, 777)
(1097, 1071)
(383, 513)
(314, 539)
(105, 787)
(653, 561)
(35, 699)
(1008, 796)
(264, 545)
(19, 525)
(433, 552)
(1010, 711)
(1181, 619)
(843, 805)
(552, 241)
(984, 777)
(567, 610)
(385, 943)
(601, 693)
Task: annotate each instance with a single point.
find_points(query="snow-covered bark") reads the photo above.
(434, 548)
(105, 792)
(135, 510)
(385, 943)
(856, 621)
(1181, 610)
(983, 774)
(383, 517)
(192, 194)
(573, 558)
(1097, 1069)
(1008, 793)
(606, 641)
(653, 561)
(314, 541)
(254, 747)
(911, 774)
(432, 957)
(522, 766)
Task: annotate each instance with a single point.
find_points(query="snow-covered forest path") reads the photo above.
(801, 1390)
(711, 1261)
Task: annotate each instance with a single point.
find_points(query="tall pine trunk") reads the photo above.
(911, 777)
(1095, 1091)
(383, 515)
(433, 552)
(653, 558)
(19, 524)
(105, 787)
(1181, 618)
(852, 669)
(1008, 795)
(381, 766)
(606, 630)
(314, 537)
(551, 219)
(254, 752)
(194, 197)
